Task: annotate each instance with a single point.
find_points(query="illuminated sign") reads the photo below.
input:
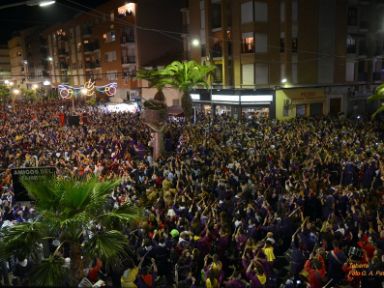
(256, 98)
(226, 98)
(88, 89)
(195, 96)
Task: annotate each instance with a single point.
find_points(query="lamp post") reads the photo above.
(28, 3)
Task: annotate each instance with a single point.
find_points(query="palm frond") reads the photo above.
(50, 272)
(107, 245)
(379, 110)
(23, 239)
(45, 192)
(125, 214)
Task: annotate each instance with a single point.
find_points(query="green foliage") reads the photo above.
(153, 104)
(378, 96)
(153, 76)
(49, 272)
(184, 76)
(67, 208)
(4, 93)
(29, 94)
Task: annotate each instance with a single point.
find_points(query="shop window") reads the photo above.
(261, 45)
(300, 110)
(248, 74)
(316, 109)
(246, 12)
(261, 12)
(248, 43)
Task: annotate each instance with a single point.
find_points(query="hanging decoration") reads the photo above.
(67, 91)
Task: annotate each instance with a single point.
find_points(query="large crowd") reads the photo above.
(231, 203)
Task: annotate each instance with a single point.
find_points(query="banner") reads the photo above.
(34, 174)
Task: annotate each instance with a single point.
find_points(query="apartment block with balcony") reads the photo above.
(5, 64)
(28, 57)
(110, 43)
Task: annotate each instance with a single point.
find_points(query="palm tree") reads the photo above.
(379, 95)
(184, 76)
(75, 213)
(155, 79)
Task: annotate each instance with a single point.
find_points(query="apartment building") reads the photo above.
(108, 44)
(288, 44)
(5, 65)
(28, 57)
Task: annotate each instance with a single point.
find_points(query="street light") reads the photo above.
(46, 83)
(16, 91)
(28, 3)
(35, 86)
(195, 42)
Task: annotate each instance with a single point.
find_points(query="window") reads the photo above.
(282, 71)
(294, 10)
(112, 16)
(282, 11)
(202, 15)
(352, 16)
(110, 56)
(286, 110)
(112, 75)
(110, 36)
(294, 45)
(262, 74)
(248, 43)
(246, 12)
(261, 45)
(300, 110)
(351, 44)
(282, 42)
(218, 76)
(216, 15)
(294, 73)
(261, 12)
(350, 71)
(248, 74)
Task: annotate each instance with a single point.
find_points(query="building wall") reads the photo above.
(5, 65)
(112, 46)
(290, 99)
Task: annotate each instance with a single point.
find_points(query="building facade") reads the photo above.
(257, 44)
(28, 58)
(5, 64)
(110, 43)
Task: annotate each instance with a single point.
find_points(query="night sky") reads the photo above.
(21, 17)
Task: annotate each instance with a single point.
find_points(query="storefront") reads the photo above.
(259, 103)
(300, 102)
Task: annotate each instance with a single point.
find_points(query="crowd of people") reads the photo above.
(231, 203)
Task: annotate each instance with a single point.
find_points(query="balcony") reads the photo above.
(362, 76)
(128, 59)
(363, 26)
(63, 66)
(351, 49)
(62, 52)
(127, 38)
(92, 65)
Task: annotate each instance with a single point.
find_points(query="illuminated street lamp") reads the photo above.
(195, 42)
(35, 86)
(16, 91)
(28, 3)
(46, 83)
(6, 82)
(84, 91)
